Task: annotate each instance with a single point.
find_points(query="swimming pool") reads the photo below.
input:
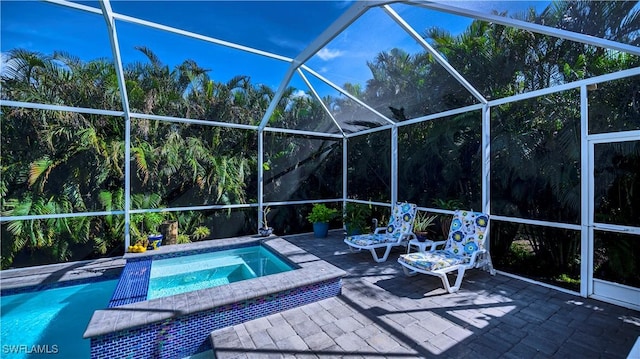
(187, 273)
(51, 321)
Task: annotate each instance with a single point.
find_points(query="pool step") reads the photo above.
(172, 267)
(195, 280)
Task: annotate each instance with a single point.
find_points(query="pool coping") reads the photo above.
(311, 270)
(20, 280)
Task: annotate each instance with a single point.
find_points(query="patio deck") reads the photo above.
(382, 313)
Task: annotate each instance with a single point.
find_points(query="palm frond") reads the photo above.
(39, 170)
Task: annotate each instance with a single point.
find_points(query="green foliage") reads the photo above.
(183, 239)
(423, 222)
(146, 223)
(356, 216)
(321, 213)
(65, 162)
(520, 253)
(200, 233)
(565, 278)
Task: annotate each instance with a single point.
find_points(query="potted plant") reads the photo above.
(265, 230)
(153, 221)
(421, 225)
(149, 225)
(355, 218)
(320, 216)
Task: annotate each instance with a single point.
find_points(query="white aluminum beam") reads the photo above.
(372, 203)
(586, 242)
(196, 208)
(568, 86)
(319, 99)
(540, 29)
(486, 160)
(192, 121)
(485, 144)
(42, 106)
(441, 60)
(74, 5)
(194, 35)
(59, 215)
(345, 167)
(347, 18)
(620, 136)
(310, 201)
(260, 177)
(302, 132)
(535, 222)
(394, 164)
(174, 30)
(278, 95)
(117, 59)
(346, 93)
(371, 130)
(438, 115)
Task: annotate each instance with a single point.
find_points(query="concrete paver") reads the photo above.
(381, 313)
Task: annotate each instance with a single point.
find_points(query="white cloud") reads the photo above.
(327, 54)
(288, 44)
(299, 93)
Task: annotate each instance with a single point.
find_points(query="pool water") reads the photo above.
(193, 272)
(50, 323)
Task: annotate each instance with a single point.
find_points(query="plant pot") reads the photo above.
(320, 229)
(265, 232)
(155, 241)
(421, 236)
(169, 231)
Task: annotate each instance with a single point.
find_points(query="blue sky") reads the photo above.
(282, 27)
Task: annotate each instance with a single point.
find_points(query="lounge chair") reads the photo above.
(397, 233)
(464, 249)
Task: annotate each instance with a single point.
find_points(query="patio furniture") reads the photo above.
(421, 245)
(464, 249)
(397, 233)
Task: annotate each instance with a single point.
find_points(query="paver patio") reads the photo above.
(383, 313)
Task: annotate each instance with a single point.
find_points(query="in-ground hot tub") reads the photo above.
(179, 325)
(187, 273)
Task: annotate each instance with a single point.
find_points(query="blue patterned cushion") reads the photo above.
(430, 261)
(400, 222)
(466, 236)
(369, 239)
(467, 233)
(402, 217)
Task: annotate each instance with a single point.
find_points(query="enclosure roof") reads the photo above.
(325, 50)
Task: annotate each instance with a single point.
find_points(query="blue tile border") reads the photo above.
(181, 336)
(189, 252)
